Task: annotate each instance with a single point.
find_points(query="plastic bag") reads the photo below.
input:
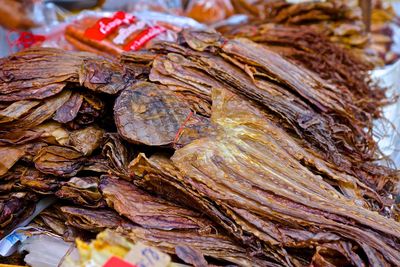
(45, 250)
(104, 33)
(386, 130)
(209, 11)
(114, 33)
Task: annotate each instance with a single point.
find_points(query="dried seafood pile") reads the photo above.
(339, 21)
(210, 147)
(315, 52)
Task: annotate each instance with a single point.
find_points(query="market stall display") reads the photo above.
(250, 145)
(305, 123)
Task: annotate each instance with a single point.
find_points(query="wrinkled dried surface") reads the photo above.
(117, 155)
(37, 182)
(82, 191)
(42, 72)
(54, 220)
(53, 133)
(9, 156)
(94, 220)
(138, 62)
(59, 161)
(16, 110)
(41, 112)
(43, 92)
(324, 117)
(86, 140)
(69, 110)
(184, 77)
(51, 102)
(248, 154)
(322, 15)
(158, 174)
(171, 225)
(9, 186)
(314, 51)
(191, 256)
(313, 91)
(152, 115)
(146, 210)
(18, 137)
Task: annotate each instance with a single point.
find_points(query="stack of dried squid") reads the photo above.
(222, 146)
(339, 21)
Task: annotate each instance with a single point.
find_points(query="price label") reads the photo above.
(144, 256)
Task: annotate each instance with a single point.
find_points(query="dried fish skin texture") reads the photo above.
(69, 110)
(41, 113)
(324, 117)
(247, 172)
(9, 156)
(94, 220)
(146, 210)
(87, 140)
(39, 73)
(152, 115)
(83, 191)
(59, 161)
(38, 182)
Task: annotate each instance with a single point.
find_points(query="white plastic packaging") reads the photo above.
(44, 250)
